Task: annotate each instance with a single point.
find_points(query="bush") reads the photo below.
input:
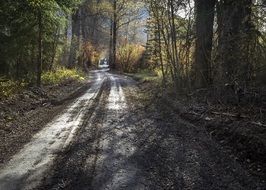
(10, 87)
(58, 76)
(129, 57)
(146, 75)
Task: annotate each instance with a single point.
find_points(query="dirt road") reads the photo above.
(107, 139)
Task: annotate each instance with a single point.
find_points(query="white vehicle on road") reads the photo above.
(103, 64)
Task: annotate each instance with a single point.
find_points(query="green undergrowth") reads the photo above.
(60, 75)
(9, 87)
(146, 75)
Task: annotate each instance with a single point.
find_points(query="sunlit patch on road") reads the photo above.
(114, 170)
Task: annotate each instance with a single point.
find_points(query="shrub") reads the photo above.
(10, 87)
(129, 57)
(55, 77)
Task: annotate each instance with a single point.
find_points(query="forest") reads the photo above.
(191, 45)
(202, 62)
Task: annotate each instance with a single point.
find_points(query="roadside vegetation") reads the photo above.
(145, 76)
(10, 87)
(60, 75)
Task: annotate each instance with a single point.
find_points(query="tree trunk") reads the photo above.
(55, 46)
(39, 63)
(111, 44)
(114, 35)
(204, 36)
(74, 40)
(160, 53)
(174, 40)
(234, 33)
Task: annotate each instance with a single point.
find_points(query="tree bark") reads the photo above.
(111, 44)
(234, 35)
(114, 35)
(160, 53)
(74, 47)
(204, 37)
(39, 62)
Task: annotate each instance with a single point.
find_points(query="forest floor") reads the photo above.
(123, 134)
(238, 128)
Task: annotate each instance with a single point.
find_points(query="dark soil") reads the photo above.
(24, 114)
(238, 129)
(244, 141)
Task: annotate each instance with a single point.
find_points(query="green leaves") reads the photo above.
(19, 32)
(37, 3)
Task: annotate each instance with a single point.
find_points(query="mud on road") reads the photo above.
(115, 139)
